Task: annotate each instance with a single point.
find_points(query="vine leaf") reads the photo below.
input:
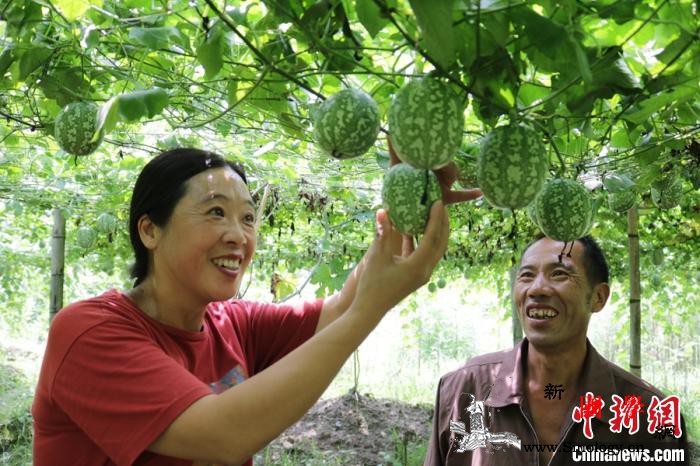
(137, 104)
(130, 107)
(435, 21)
(107, 118)
(646, 108)
(616, 183)
(210, 52)
(31, 59)
(157, 37)
(6, 58)
(582, 61)
(370, 16)
(73, 9)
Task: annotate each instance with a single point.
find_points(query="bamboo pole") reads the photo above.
(515, 321)
(635, 292)
(58, 243)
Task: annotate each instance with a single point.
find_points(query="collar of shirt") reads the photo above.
(597, 378)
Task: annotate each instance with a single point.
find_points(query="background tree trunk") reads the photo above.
(635, 292)
(58, 246)
(517, 328)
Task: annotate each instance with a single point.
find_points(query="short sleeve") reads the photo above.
(121, 389)
(278, 329)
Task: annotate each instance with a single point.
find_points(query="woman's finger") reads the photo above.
(407, 246)
(386, 234)
(454, 197)
(394, 159)
(433, 244)
(447, 175)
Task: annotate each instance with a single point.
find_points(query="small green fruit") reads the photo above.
(86, 237)
(408, 194)
(346, 125)
(75, 126)
(106, 223)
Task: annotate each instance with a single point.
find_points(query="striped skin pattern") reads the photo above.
(512, 166)
(347, 124)
(106, 223)
(426, 123)
(669, 196)
(408, 193)
(75, 125)
(86, 237)
(564, 210)
(532, 212)
(622, 201)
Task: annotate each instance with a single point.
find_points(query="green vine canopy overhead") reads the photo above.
(611, 86)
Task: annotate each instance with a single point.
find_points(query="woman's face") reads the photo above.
(210, 238)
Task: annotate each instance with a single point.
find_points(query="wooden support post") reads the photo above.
(635, 292)
(58, 243)
(515, 320)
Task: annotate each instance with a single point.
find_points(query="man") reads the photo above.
(553, 389)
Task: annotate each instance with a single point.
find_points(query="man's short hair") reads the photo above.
(593, 259)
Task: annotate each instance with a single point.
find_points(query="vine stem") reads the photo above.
(32, 126)
(562, 164)
(387, 11)
(258, 53)
(230, 108)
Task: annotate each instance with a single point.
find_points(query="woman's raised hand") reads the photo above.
(391, 274)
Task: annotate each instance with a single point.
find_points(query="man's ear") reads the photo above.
(600, 295)
(148, 232)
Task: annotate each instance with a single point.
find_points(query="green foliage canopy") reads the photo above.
(611, 85)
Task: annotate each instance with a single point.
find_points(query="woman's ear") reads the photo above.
(148, 232)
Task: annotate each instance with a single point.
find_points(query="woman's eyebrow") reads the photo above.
(215, 196)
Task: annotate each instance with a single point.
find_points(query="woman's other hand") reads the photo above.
(446, 175)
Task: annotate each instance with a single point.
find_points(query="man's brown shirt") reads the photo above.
(498, 380)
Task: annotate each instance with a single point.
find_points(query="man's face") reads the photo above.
(554, 299)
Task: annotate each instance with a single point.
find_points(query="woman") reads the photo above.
(153, 375)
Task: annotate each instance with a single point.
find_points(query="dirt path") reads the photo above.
(354, 430)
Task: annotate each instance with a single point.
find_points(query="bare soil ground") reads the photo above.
(354, 430)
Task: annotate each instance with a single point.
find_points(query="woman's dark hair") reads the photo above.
(159, 187)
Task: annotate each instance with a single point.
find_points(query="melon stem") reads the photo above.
(424, 199)
(561, 254)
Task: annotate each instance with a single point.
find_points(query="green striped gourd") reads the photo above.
(106, 223)
(622, 201)
(75, 126)
(426, 123)
(564, 210)
(408, 193)
(346, 125)
(667, 195)
(512, 166)
(86, 237)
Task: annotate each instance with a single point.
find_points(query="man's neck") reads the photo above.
(551, 385)
(547, 366)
